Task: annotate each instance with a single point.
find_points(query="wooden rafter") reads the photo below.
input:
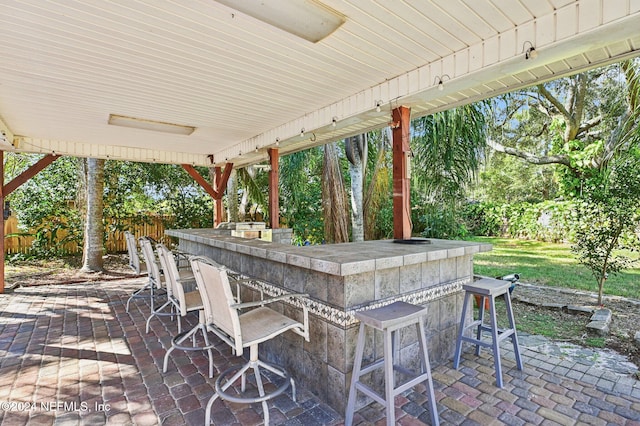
(217, 192)
(28, 174)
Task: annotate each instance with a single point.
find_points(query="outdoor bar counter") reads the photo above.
(341, 279)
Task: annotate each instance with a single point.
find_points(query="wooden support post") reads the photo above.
(2, 222)
(401, 177)
(216, 190)
(217, 217)
(274, 190)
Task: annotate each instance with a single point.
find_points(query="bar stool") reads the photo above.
(488, 288)
(389, 319)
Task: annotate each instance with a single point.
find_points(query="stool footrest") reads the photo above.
(473, 324)
(178, 344)
(502, 334)
(369, 368)
(476, 341)
(396, 391)
(380, 363)
(370, 393)
(411, 383)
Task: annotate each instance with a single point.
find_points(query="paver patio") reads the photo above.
(72, 355)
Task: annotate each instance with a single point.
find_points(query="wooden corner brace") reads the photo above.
(221, 184)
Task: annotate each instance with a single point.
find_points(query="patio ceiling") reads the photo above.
(245, 86)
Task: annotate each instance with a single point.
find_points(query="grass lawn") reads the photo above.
(548, 264)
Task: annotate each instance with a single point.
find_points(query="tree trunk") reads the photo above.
(356, 150)
(232, 197)
(242, 207)
(335, 207)
(93, 227)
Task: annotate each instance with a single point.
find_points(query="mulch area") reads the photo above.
(64, 271)
(625, 313)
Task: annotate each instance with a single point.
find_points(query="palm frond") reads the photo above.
(447, 148)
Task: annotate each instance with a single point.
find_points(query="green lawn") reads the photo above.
(549, 264)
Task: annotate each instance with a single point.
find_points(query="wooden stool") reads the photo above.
(389, 319)
(488, 288)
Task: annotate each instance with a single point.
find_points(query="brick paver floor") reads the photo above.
(70, 354)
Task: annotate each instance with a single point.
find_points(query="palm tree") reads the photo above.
(378, 186)
(447, 148)
(93, 227)
(301, 194)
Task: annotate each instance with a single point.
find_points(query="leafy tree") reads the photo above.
(608, 219)
(45, 203)
(174, 193)
(447, 148)
(253, 186)
(301, 195)
(578, 123)
(53, 202)
(378, 203)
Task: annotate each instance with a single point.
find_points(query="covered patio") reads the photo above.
(217, 85)
(73, 355)
(227, 84)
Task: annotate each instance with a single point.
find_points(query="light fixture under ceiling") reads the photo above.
(307, 19)
(141, 123)
(440, 81)
(531, 52)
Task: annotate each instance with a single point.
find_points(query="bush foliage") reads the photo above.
(546, 221)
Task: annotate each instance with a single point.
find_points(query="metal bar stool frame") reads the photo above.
(244, 330)
(154, 283)
(134, 264)
(187, 301)
(171, 307)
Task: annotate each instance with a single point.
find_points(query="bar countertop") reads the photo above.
(336, 259)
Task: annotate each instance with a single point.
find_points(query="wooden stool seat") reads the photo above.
(487, 289)
(389, 319)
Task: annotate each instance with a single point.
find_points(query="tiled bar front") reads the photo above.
(341, 279)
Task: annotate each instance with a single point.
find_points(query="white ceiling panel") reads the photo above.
(66, 65)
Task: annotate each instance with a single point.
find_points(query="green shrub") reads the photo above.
(547, 221)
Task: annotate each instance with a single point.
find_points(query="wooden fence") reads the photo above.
(152, 226)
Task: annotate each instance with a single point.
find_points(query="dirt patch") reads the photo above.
(64, 271)
(625, 316)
